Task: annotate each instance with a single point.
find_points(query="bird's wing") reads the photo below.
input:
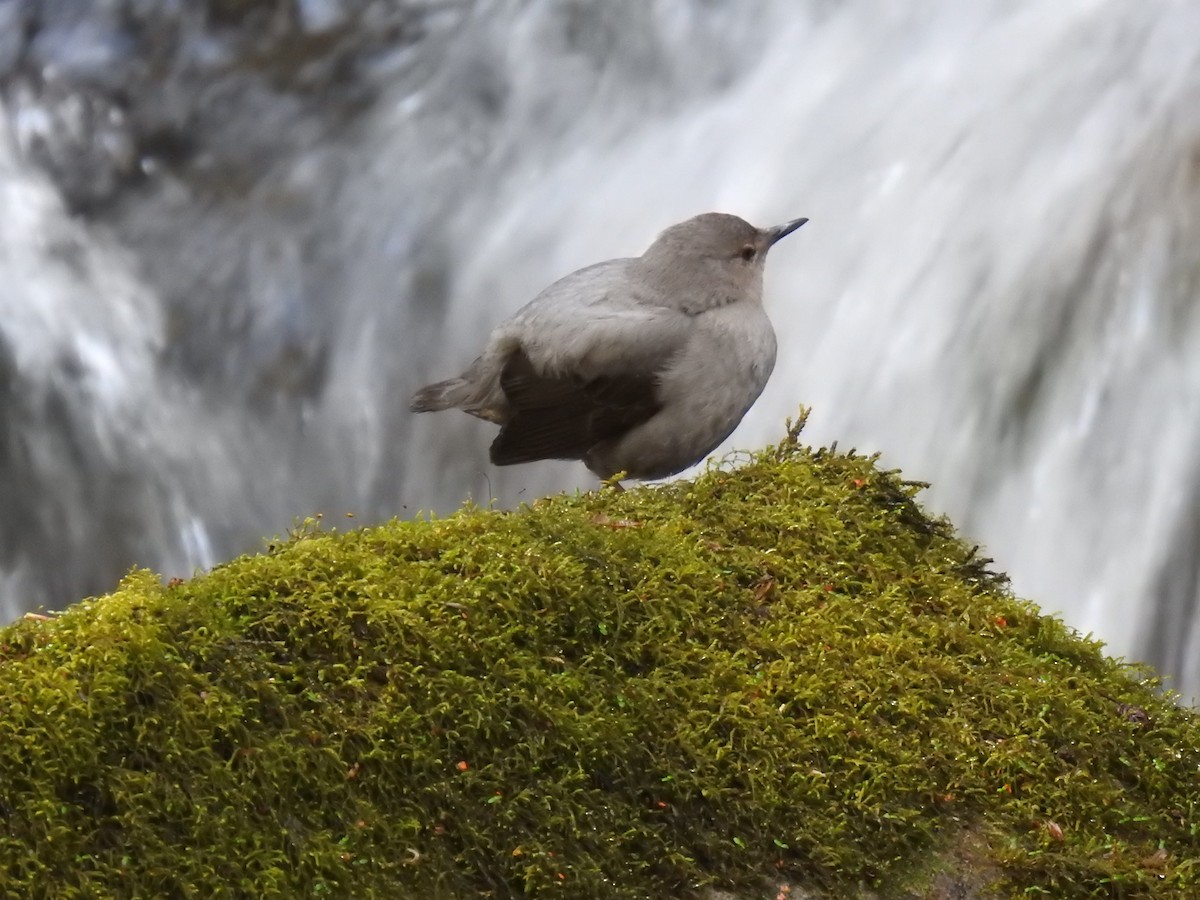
(583, 370)
(559, 417)
(592, 325)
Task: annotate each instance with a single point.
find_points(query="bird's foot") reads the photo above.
(614, 482)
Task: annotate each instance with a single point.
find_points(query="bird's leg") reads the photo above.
(614, 481)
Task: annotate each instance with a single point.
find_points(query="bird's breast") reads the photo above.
(703, 393)
(722, 369)
(734, 344)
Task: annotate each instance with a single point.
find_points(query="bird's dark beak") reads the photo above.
(782, 231)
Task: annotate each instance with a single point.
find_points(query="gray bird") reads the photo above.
(642, 366)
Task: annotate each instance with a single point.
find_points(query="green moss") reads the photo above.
(783, 672)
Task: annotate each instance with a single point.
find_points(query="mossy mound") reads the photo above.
(786, 671)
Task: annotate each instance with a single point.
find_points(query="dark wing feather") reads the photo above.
(562, 417)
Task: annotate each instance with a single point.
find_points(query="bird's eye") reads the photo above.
(748, 252)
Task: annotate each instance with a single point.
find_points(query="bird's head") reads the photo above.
(719, 251)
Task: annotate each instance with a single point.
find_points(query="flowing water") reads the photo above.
(225, 265)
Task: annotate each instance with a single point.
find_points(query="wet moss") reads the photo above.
(784, 671)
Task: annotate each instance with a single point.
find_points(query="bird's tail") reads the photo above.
(443, 395)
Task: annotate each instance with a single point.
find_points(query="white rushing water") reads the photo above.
(999, 288)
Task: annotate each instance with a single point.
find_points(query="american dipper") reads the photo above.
(641, 366)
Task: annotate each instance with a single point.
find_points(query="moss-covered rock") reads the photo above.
(783, 674)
